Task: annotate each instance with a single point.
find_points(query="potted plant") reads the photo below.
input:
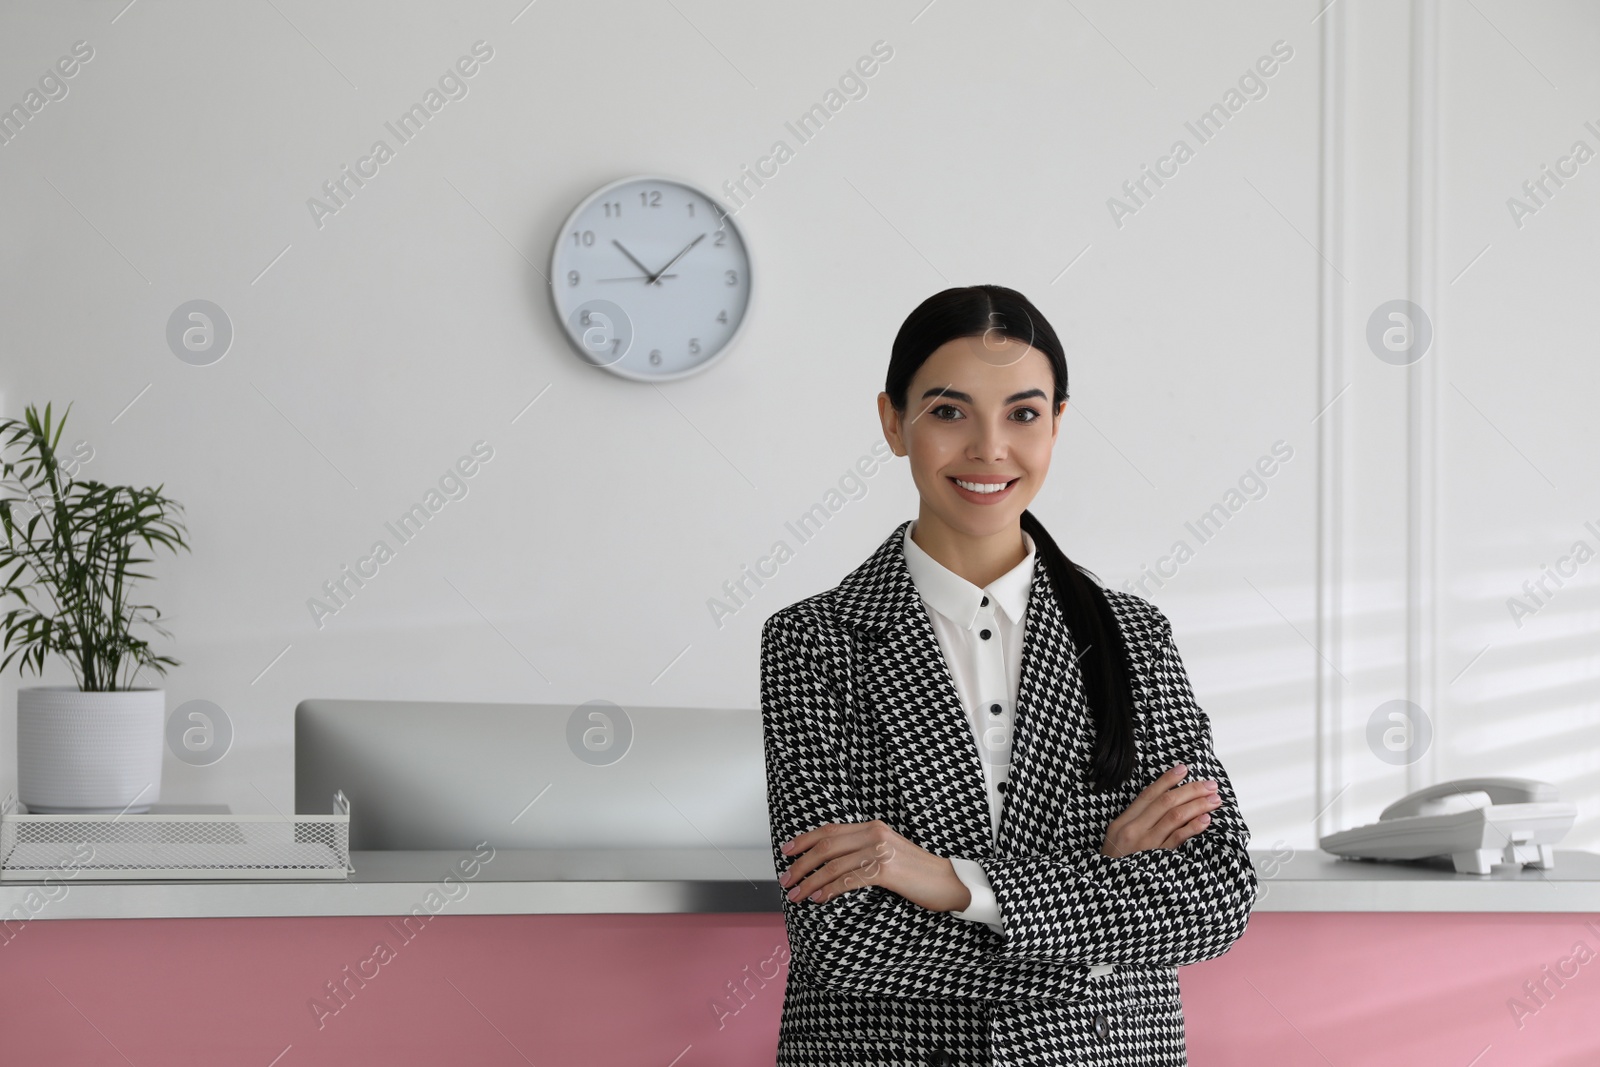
(69, 558)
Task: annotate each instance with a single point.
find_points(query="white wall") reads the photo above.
(1219, 318)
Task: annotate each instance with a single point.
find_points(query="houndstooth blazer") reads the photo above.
(861, 720)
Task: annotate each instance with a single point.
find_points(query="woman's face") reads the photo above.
(978, 410)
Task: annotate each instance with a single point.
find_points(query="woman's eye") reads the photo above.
(949, 413)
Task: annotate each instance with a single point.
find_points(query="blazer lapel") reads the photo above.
(906, 695)
(905, 690)
(1050, 745)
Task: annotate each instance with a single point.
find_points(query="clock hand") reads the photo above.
(632, 278)
(631, 256)
(675, 258)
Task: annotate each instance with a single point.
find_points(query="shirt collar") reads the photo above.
(958, 599)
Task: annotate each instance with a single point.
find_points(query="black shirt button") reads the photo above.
(1004, 787)
(985, 601)
(994, 709)
(1101, 1026)
(984, 634)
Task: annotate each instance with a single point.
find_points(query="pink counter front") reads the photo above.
(495, 976)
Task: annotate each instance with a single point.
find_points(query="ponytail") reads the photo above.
(1102, 656)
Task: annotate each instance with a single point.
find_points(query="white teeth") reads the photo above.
(981, 487)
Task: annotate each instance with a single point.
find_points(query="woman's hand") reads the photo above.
(1164, 815)
(840, 856)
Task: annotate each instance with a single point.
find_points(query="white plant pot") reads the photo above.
(85, 753)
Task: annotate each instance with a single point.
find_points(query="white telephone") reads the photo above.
(1477, 822)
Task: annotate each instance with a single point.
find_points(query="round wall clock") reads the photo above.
(650, 278)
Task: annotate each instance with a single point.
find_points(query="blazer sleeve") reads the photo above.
(869, 941)
(1157, 907)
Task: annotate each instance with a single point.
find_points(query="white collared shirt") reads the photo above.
(980, 633)
(987, 671)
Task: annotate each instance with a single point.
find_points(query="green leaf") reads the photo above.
(75, 540)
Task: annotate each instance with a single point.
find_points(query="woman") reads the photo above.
(996, 812)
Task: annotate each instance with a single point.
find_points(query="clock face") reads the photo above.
(650, 278)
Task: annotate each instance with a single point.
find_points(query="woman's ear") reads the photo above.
(891, 424)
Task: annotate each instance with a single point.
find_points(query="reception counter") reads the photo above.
(679, 956)
(506, 882)
(686, 881)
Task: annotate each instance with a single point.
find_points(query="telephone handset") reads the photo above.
(1477, 822)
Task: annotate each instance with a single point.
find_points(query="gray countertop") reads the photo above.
(675, 881)
(1313, 880)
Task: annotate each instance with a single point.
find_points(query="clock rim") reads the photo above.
(613, 368)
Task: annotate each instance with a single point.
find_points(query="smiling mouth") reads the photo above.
(984, 487)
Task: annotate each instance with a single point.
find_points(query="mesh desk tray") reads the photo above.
(175, 846)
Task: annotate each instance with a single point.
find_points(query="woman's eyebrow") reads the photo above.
(956, 394)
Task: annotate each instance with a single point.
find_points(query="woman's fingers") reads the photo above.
(1153, 792)
(809, 851)
(1185, 804)
(840, 875)
(1186, 831)
(1163, 815)
(814, 847)
(800, 842)
(839, 857)
(1129, 830)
